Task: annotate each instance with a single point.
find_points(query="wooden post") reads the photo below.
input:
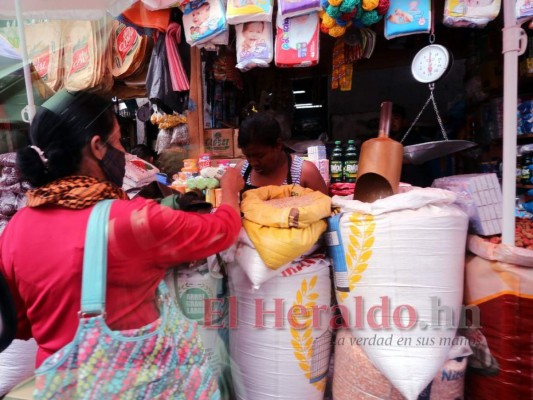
(195, 118)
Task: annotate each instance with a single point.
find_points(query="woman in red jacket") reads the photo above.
(76, 159)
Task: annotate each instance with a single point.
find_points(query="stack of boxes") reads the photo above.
(480, 197)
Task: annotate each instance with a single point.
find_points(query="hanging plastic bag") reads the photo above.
(158, 82)
(180, 135)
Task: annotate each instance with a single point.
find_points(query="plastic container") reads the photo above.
(204, 160)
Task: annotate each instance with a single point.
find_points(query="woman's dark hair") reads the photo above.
(61, 128)
(143, 151)
(258, 128)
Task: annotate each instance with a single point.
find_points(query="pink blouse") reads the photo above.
(41, 256)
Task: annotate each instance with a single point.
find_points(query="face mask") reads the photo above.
(114, 165)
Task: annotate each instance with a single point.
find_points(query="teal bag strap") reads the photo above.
(94, 279)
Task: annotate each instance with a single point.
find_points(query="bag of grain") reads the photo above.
(355, 378)
(399, 265)
(196, 286)
(499, 290)
(284, 222)
(247, 257)
(280, 342)
(17, 363)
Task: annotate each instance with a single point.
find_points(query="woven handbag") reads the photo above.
(164, 359)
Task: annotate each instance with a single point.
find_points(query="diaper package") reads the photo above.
(297, 41)
(241, 11)
(203, 20)
(293, 8)
(469, 14)
(254, 45)
(407, 17)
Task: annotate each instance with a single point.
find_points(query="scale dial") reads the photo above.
(430, 63)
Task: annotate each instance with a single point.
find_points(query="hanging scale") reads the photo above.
(430, 64)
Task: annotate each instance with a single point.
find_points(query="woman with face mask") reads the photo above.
(75, 160)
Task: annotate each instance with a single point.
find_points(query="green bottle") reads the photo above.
(350, 162)
(336, 164)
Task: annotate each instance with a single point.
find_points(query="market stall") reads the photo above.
(185, 79)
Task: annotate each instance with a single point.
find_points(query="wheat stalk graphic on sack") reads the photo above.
(359, 249)
(302, 339)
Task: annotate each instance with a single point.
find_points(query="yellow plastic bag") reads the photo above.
(286, 206)
(284, 222)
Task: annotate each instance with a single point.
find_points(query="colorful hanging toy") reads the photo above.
(337, 15)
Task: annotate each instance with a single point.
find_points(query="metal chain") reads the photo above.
(432, 99)
(431, 87)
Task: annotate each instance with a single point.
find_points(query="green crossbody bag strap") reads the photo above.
(95, 260)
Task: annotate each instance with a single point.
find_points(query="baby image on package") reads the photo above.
(407, 17)
(254, 44)
(202, 20)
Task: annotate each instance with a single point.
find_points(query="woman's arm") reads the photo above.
(312, 179)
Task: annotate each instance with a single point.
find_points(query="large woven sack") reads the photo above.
(200, 291)
(284, 222)
(272, 358)
(499, 286)
(286, 206)
(397, 262)
(355, 378)
(247, 257)
(17, 363)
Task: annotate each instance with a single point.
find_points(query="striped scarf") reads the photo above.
(75, 192)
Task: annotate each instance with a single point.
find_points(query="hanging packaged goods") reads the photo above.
(130, 51)
(45, 43)
(297, 40)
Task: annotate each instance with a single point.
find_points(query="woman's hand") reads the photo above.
(231, 184)
(232, 180)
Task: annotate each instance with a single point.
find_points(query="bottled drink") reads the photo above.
(350, 162)
(335, 163)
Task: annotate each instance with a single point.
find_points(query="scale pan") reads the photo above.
(422, 152)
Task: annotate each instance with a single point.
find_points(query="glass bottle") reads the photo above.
(350, 162)
(336, 163)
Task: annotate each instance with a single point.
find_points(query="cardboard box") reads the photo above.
(219, 142)
(237, 153)
(480, 197)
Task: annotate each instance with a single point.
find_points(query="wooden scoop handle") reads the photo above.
(384, 119)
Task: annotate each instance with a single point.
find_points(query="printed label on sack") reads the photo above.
(192, 302)
(41, 62)
(127, 41)
(80, 58)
